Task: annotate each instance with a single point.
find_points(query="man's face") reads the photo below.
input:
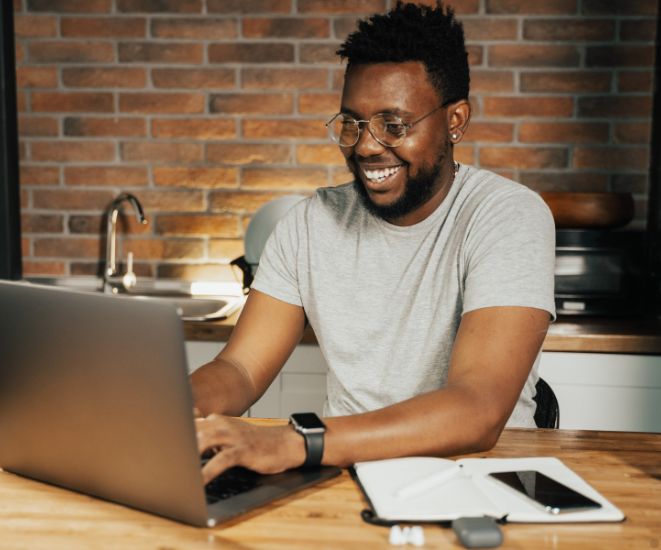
(417, 172)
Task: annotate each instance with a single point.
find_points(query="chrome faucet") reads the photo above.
(111, 279)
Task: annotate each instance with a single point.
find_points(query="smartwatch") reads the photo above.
(310, 426)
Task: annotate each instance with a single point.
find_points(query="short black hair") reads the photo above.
(413, 32)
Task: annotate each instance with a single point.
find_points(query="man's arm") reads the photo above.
(264, 337)
(493, 352)
(491, 359)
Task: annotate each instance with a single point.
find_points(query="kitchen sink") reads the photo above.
(195, 301)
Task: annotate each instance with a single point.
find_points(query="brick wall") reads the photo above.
(206, 109)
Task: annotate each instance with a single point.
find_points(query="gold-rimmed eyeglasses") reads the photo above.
(386, 128)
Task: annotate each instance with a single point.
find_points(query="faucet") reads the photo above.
(111, 279)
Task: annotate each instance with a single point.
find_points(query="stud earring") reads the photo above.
(454, 135)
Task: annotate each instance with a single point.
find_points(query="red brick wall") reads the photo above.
(205, 109)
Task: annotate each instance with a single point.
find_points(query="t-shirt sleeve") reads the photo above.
(278, 265)
(510, 254)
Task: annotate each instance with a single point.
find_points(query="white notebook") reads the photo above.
(438, 489)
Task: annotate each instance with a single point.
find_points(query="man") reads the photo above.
(429, 285)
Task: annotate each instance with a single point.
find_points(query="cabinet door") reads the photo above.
(300, 386)
(199, 353)
(603, 391)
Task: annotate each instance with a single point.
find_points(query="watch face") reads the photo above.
(308, 421)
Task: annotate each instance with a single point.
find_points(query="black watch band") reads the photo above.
(310, 426)
(314, 448)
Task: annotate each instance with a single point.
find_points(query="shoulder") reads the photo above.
(489, 195)
(327, 207)
(336, 206)
(337, 198)
(486, 185)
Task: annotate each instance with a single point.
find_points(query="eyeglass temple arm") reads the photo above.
(423, 117)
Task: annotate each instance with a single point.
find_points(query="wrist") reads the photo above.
(312, 430)
(294, 446)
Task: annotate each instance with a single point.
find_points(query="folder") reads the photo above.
(429, 489)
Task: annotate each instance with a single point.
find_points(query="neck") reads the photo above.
(442, 188)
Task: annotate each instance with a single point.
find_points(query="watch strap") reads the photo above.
(313, 435)
(314, 448)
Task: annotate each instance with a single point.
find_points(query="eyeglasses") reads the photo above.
(386, 128)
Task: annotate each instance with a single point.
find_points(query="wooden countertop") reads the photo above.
(624, 467)
(606, 335)
(579, 334)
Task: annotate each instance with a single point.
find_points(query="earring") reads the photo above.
(454, 135)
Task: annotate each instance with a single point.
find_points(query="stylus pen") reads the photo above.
(420, 486)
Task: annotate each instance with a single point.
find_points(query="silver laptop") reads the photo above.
(95, 397)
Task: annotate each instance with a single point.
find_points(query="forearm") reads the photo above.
(265, 335)
(445, 422)
(491, 360)
(222, 387)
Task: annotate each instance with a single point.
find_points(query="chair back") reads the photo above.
(547, 414)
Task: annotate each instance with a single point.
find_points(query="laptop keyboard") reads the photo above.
(230, 483)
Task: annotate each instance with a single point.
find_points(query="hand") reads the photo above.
(264, 449)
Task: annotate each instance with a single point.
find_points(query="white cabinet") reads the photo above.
(199, 353)
(605, 391)
(300, 386)
(596, 391)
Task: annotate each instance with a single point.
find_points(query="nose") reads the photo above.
(367, 146)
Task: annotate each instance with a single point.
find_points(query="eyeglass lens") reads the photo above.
(388, 130)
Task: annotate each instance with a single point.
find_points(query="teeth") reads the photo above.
(380, 175)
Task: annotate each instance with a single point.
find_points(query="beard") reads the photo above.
(418, 190)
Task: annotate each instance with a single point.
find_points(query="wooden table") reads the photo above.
(624, 467)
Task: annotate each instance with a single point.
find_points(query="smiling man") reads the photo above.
(398, 179)
(429, 284)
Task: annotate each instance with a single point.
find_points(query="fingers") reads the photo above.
(218, 437)
(212, 432)
(233, 442)
(218, 464)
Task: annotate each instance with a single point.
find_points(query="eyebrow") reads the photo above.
(396, 112)
(346, 111)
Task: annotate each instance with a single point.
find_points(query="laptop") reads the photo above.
(95, 397)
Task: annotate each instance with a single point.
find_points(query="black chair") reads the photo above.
(547, 414)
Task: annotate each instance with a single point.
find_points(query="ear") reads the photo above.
(459, 115)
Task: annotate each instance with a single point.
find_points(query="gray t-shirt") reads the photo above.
(385, 301)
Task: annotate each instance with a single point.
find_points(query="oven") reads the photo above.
(599, 272)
